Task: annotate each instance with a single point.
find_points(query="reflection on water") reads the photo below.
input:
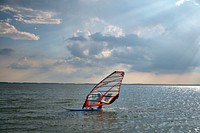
(140, 108)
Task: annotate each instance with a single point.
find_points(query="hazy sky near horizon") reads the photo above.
(85, 40)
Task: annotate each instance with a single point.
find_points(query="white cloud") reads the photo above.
(113, 30)
(42, 64)
(9, 31)
(96, 24)
(62, 66)
(31, 16)
(7, 8)
(104, 54)
(150, 31)
(95, 21)
(27, 16)
(23, 63)
(85, 33)
(180, 2)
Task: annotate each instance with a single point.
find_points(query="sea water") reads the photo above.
(28, 107)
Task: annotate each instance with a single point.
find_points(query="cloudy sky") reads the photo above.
(85, 40)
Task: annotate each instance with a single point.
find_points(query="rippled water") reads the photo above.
(140, 108)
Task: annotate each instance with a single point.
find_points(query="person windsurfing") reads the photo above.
(99, 101)
(105, 92)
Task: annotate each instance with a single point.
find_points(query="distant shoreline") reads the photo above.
(96, 83)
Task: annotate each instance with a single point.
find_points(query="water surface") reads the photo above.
(139, 108)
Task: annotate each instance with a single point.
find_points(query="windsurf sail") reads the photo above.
(106, 91)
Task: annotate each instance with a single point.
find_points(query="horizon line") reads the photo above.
(193, 84)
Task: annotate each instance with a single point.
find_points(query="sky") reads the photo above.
(82, 41)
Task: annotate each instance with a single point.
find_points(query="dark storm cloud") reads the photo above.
(144, 55)
(127, 40)
(20, 66)
(79, 38)
(6, 51)
(111, 50)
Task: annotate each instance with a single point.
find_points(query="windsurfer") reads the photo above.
(99, 107)
(99, 101)
(105, 92)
